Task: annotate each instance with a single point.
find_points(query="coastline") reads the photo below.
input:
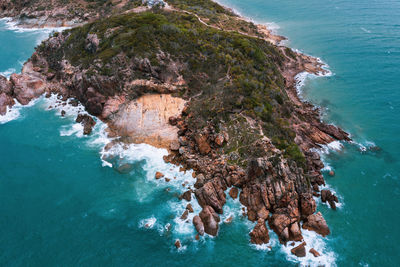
(308, 64)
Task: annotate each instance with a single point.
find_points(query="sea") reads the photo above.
(65, 200)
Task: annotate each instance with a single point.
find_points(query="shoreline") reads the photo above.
(293, 72)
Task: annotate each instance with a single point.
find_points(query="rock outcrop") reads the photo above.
(317, 223)
(259, 235)
(88, 123)
(300, 250)
(210, 220)
(198, 224)
(6, 95)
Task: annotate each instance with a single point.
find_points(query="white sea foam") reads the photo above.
(302, 78)
(71, 112)
(365, 30)
(148, 223)
(335, 146)
(313, 240)
(14, 25)
(15, 112)
(364, 146)
(7, 73)
(12, 114)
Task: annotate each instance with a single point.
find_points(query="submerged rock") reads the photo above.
(125, 168)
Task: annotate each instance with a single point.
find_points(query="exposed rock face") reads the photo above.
(159, 175)
(27, 87)
(314, 252)
(234, 192)
(317, 223)
(5, 101)
(88, 123)
(189, 208)
(308, 205)
(259, 235)
(212, 194)
(300, 250)
(198, 224)
(326, 195)
(210, 220)
(187, 195)
(203, 145)
(146, 119)
(277, 189)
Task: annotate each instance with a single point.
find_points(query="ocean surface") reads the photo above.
(63, 205)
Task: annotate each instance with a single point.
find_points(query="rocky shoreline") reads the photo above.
(273, 189)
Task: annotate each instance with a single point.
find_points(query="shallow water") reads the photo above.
(62, 205)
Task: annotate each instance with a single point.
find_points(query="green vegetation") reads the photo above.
(229, 76)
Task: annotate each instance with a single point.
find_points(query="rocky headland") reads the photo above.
(214, 89)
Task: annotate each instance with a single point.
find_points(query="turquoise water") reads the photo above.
(62, 206)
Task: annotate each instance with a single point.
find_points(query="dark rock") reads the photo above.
(308, 205)
(202, 144)
(187, 195)
(159, 175)
(189, 208)
(87, 121)
(200, 180)
(210, 220)
(178, 244)
(212, 194)
(300, 250)
(259, 235)
(198, 224)
(326, 195)
(185, 215)
(314, 252)
(173, 120)
(5, 101)
(234, 192)
(5, 86)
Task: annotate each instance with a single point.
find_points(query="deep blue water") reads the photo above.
(61, 206)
